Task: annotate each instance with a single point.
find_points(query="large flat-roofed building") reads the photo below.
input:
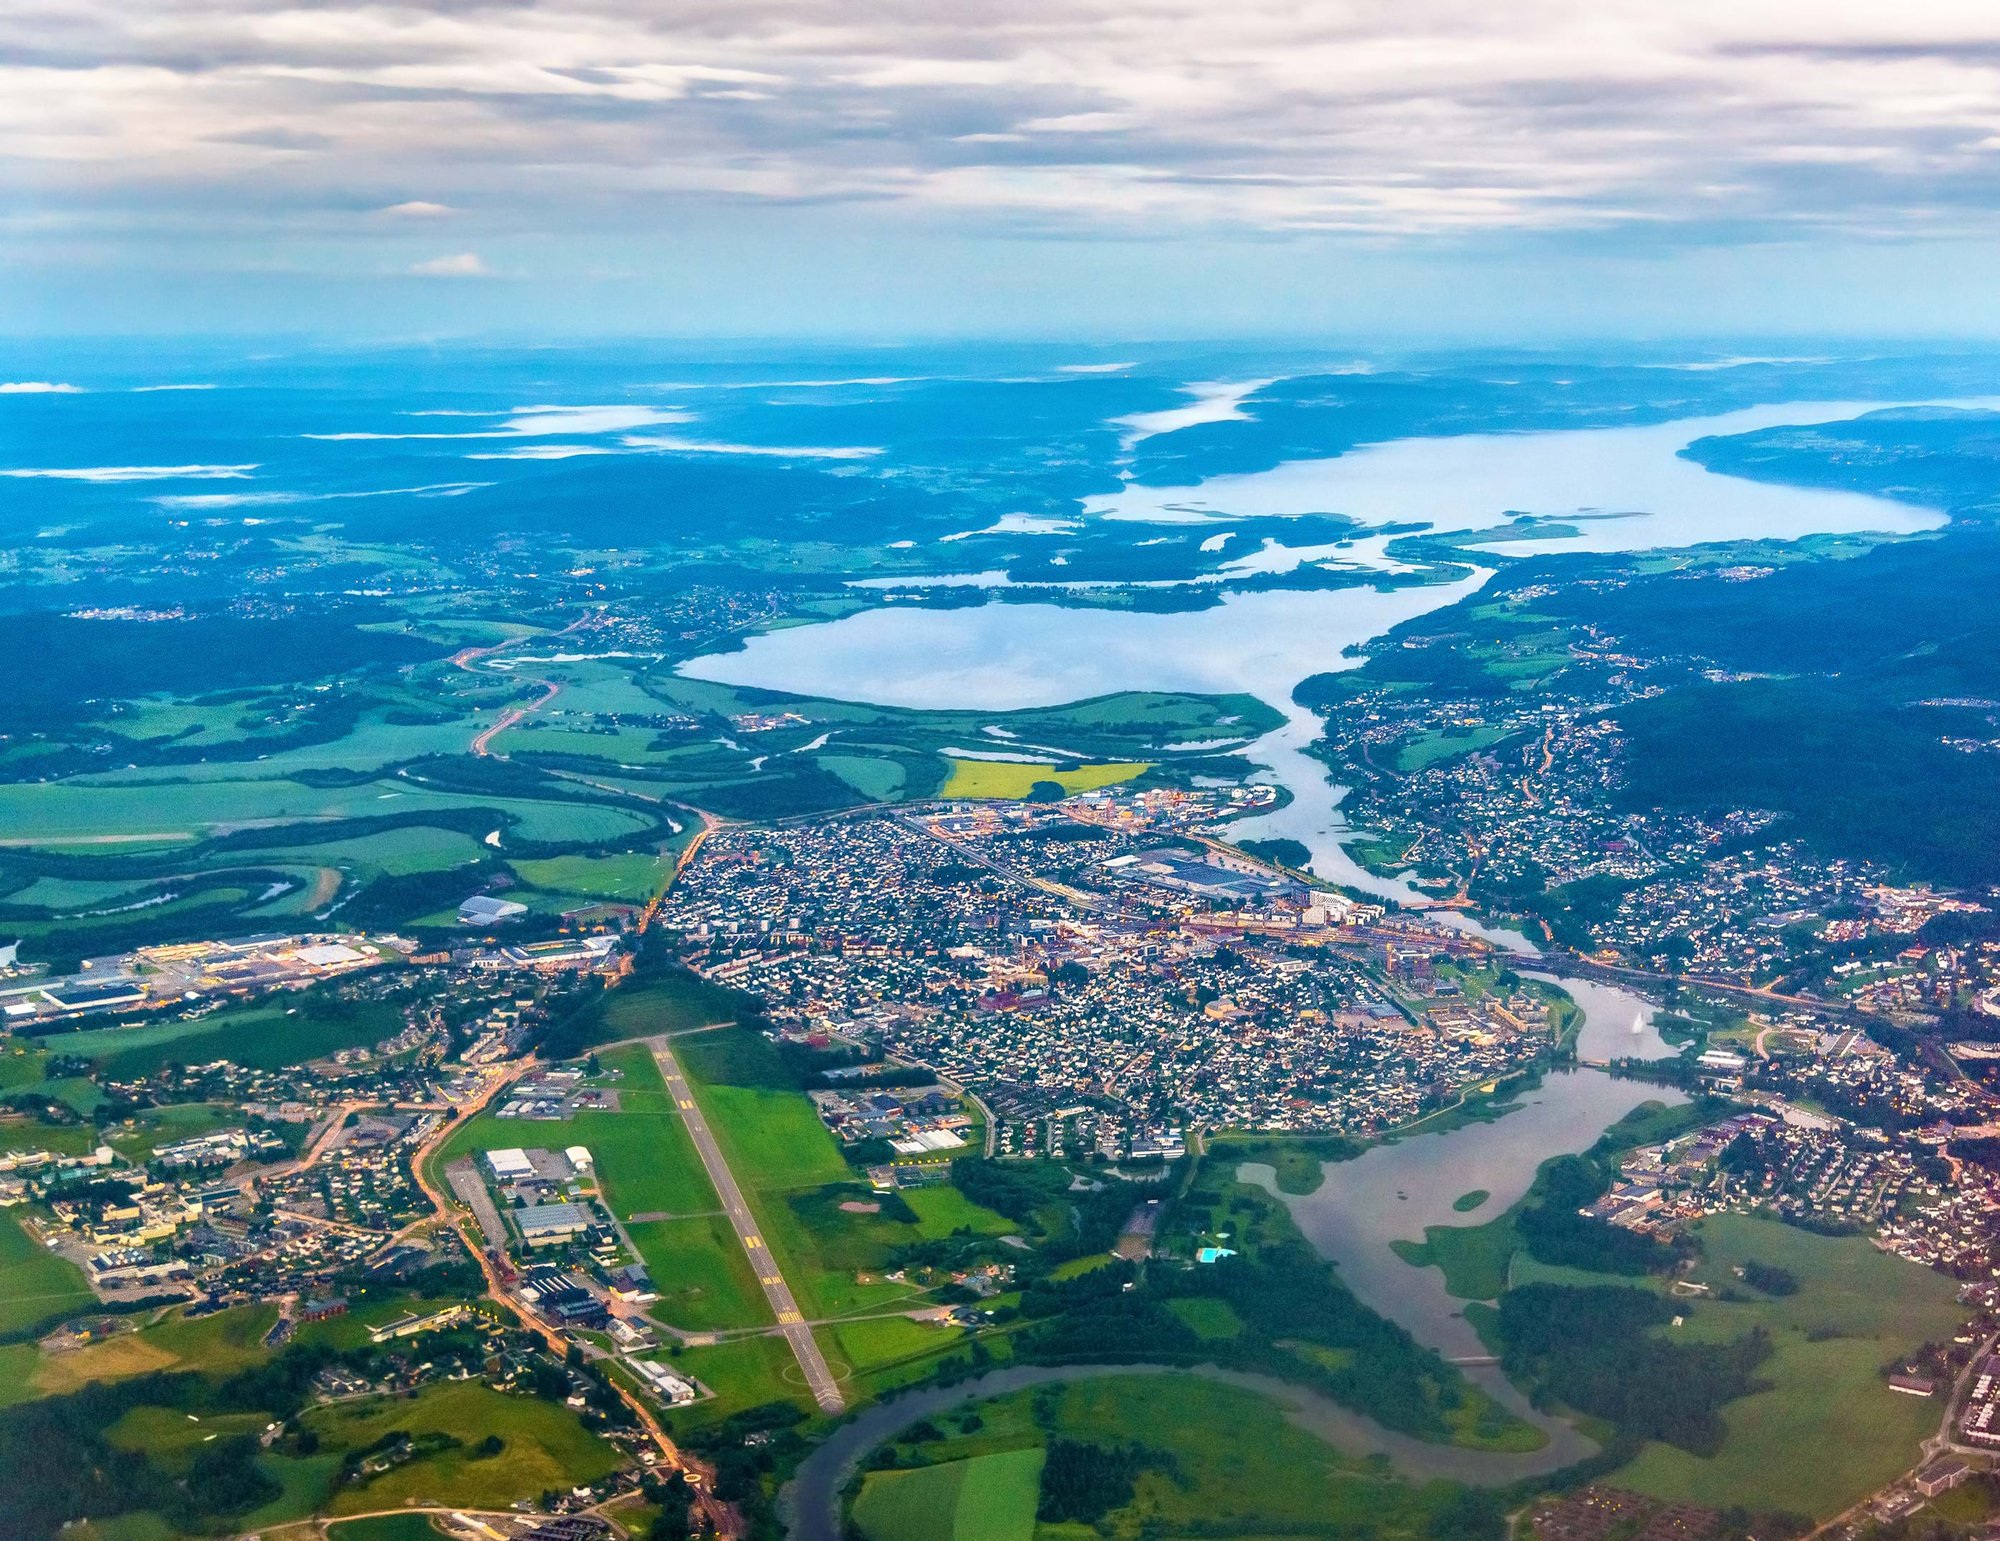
(509, 1166)
(485, 910)
(543, 1225)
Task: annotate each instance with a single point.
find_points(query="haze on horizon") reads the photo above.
(772, 167)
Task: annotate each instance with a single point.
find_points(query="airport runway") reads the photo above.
(825, 1389)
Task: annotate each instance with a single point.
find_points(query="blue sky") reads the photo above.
(1379, 168)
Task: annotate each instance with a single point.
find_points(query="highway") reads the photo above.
(784, 1305)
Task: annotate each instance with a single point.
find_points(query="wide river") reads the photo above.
(1636, 493)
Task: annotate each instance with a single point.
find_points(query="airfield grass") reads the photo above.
(35, 1284)
(645, 1160)
(744, 1372)
(705, 1281)
(544, 1447)
(878, 1346)
(824, 1249)
(669, 1003)
(985, 1498)
(1013, 779)
(796, 1179)
(767, 1128)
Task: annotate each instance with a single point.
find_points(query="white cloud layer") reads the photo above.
(465, 264)
(1380, 117)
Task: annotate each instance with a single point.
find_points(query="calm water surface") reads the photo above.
(1630, 487)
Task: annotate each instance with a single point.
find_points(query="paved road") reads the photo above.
(784, 1305)
(513, 714)
(465, 1182)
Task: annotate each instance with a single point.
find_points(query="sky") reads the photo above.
(903, 168)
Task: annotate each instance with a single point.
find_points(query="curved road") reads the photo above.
(514, 714)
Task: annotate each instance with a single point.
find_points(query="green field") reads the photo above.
(888, 1350)
(1474, 1258)
(398, 852)
(1212, 1320)
(1428, 749)
(264, 1035)
(792, 1170)
(185, 807)
(744, 1372)
(1012, 779)
(646, 1163)
(217, 1344)
(704, 1281)
(137, 1137)
(668, 1003)
(767, 1128)
(635, 877)
(985, 1498)
(1856, 1310)
(1230, 1462)
(544, 1447)
(386, 1527)
(173, 1438)
(35, 1284)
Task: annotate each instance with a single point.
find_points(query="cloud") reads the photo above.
(207, 500)
(135, 473)
(1386, 118)
(534, 422)
(465, 264)
(37, 388)
(779, 451)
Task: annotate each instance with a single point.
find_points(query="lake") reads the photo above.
(1002, 656)
(1630, 487)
